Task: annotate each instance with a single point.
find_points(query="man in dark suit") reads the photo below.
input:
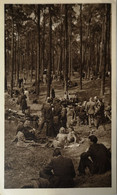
(48, 118)
(100, 158)
(60, 171)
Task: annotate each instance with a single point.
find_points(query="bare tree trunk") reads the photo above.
(18, 57)
(36, 64)
(6, 59)
(50, 54)
(31, 66)
(61, 40)
(104, 52)
(66, 49)
(69, 32)
(15, 61)
(12, 53)
(43, 46)
(38, 56)
(109, 42)
(81, 46)
(28, 56)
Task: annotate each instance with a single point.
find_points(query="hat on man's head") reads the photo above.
(93, 138)
(56, 152)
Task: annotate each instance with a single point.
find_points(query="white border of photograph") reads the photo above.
(74, 191)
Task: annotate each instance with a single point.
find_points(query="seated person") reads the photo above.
(21, 140)
(61, 138)
(59, 172)
(71, 137)
(100, 158)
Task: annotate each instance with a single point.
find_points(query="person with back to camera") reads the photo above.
(60, 171)
(97, 158)
(90, 109)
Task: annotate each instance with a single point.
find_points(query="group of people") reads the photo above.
(57, 113)
(60, 171)
(65, 137)
(53, 114)
(59, 116)
(25, 135)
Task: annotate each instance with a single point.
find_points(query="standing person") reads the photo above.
(63, 116)
(99, 112)
(53, 93)
(48, 118)
(60, 171)
(23, 102)
(90, 109)
(20, 82)
(26, 92)
(70, 115)
(100, 158)
(56, 114)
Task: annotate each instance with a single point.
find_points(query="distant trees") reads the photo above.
(60, 38)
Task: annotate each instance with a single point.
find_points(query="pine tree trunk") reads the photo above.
(81, 46)
(104, 52)
(43, 46)
(38, 56)
(15, 61)
(12, 54)
(50, 54)
(31, 67)
(6, 56)
(66, 49)
(18, 58)
(69, 32)
(109, 42)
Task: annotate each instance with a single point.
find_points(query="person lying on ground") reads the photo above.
(21, 140)
(59, 172)
(97, 158)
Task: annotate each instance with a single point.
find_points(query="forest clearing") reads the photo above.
(57, 75)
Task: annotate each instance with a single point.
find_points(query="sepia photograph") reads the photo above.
(58, 121)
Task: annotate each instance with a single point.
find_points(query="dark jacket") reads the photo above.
(100, 156)
(23, 102)
(47, 111)
(63, 171)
